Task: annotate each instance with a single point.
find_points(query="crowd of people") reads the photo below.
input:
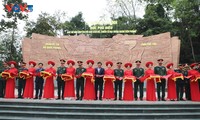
(99, 83)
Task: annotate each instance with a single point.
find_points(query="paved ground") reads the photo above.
(98, 102)
(72, 100)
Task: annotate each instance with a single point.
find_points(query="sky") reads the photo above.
(92, 9)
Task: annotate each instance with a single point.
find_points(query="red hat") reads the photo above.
(128, 64)
(51, 62)
(170, 64)
(193, 64)
(70, 61)
(90, 61)
(109, 62)
(12, 62)
(32, 62)
(149, 63)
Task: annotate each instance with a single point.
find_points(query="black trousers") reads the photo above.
(39, 87)
(79, 86)
(140, 85)
(187, 89)
(61, 87)
(179, 88)
(161, 86)
(98, 85)
(21, 87)
(118, 85)
(2, 88)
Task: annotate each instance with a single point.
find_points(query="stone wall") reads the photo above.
(124, 48)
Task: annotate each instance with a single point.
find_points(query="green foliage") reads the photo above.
(76, 23)
(10, 49)
(181, 18)
(6, 48)
(155, 21)
(45, 24)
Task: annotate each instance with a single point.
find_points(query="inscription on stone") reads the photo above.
(124, 48)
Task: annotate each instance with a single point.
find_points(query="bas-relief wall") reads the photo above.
(124, 48)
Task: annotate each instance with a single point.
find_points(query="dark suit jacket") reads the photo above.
(101, 72)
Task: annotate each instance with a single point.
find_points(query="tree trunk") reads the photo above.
(191, 44)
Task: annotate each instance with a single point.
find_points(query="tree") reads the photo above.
(155, 21)
(46, 24)
(127, 8)
(187, 14)
(9, 23)
(5, 46)
(185, 18)
(76, 23)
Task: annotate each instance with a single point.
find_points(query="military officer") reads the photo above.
(138, 72)
(119, 74)
(160, 70)
(61, 83)
(79, 80)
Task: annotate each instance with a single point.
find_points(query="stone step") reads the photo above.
(77, 115)
(23, 109)
(39, 118)
(101, 109)
(105, 104)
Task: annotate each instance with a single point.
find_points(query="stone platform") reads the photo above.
(28, 109)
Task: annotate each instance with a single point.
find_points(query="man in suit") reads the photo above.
(180, 82)
(119, 74)
(21, 81)
(161, 70)
(185, 68)
(138, 72)
(80, 80)
(39, 81)
(99, 73)
(61, 83)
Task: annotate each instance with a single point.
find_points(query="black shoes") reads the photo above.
(96, 98)
(163, 99)
(100, 98)
(58, 98)
(136, 99)
(79, 98)
(20, 97)
(182, 99)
